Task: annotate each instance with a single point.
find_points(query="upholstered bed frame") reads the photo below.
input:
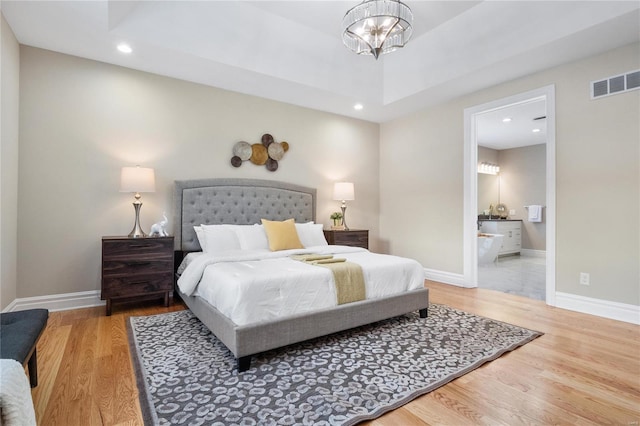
(245, 202)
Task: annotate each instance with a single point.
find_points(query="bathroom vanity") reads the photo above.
(511, 229)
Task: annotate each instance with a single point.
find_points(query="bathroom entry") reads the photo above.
(511, 177)
(510, 147)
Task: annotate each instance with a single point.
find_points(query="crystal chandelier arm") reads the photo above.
(364, 40)
(389, 31)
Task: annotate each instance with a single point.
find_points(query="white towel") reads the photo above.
(535, 213)
(16, 404)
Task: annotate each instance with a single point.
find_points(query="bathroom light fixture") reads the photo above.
(343, 191)
(358, 107)
(124, 48)
(377, 27)
(536, 130)
(506, 119)
(488, 168)
(137, 179)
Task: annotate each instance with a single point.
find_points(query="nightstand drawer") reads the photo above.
(352, 237)
(347, 238)
(136, 266)
(138, 246)
(132, 285)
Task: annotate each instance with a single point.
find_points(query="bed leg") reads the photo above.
(244, 363)
(424, 313)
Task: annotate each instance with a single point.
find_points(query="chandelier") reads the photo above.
(377, 27)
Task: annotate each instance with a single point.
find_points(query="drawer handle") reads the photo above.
(140, 263)
(138, 282)
(140, 245)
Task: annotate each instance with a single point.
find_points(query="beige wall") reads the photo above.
(81, 121)
(597, 171)
(421, 187)
(10, 82)
(523, 182)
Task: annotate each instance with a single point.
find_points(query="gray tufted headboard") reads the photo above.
(236, 201)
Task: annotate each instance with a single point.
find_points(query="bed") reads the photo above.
(246, 202)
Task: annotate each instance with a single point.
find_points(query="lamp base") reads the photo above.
(344, 209)
(137, 231)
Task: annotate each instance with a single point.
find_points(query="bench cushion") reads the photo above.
(19, 332)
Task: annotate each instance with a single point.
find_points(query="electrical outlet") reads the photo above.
(512, 212)
(584, 278)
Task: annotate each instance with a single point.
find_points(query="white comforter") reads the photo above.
(250, 287)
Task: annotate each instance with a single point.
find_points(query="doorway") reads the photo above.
(472, 119)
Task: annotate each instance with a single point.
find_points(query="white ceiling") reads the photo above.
(496, 133)
(291, 51)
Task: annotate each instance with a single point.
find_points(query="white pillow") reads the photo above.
(220, 238)
(200, 235)
(311, 234)
(190, 257)
(252, 237)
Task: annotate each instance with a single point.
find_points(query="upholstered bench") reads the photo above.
(19, 333)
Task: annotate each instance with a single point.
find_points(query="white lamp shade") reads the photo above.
(137, 179)
(343, 191)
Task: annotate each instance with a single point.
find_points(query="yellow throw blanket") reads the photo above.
(327, 261)
(347, 276)
(311, 257)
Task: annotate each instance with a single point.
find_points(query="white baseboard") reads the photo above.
(598, 307)
(58, 302)
(586, 305)
(533, 253)
(10, 307)
(445, 277)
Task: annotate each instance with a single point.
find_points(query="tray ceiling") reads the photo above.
(291, 51)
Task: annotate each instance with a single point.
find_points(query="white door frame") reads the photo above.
(470, 204)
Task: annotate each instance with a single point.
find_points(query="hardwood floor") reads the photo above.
(584, 370)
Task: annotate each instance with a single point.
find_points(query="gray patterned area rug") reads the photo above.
(187, 376)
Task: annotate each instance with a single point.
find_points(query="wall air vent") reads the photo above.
(616, 84)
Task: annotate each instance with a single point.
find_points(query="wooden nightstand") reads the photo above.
(137, 268)
(352, 237)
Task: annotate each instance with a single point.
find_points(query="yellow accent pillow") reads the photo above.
(282, 235)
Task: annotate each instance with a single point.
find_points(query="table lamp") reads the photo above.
(137, 179)
(343, 191)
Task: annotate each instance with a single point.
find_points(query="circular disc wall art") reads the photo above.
(272, 165)
(268, 152)
(276, 151)
(259, 154)
(267, 139)
(243, 150)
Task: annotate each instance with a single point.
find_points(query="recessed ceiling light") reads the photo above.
(358, 107)
(506, 119)
(125, 48)
(535, 130)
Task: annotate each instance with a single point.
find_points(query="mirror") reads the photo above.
(488, 192)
